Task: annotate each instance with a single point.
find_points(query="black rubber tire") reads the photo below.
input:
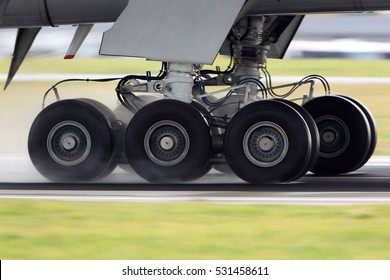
(215, 132)
(97, 161)
(203, 111)
(343, 113)
(193, 164)
(284, 119)
(223, 168)
(118, 135)
(373, 128)
(315, 137)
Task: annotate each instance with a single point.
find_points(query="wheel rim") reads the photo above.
(334, 136)
(167, 143)
(69, 143)
(265, 144)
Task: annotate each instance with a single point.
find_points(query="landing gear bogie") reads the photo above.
(166, 139)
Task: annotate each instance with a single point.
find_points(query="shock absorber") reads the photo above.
(179, 82)
(249, 52)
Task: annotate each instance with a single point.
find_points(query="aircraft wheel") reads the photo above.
(125, 115)
(168, 141)
(373, 129)
(72, 140)
(213, 130)
(216, 132)
(345, 134)
(112, 119)
(267, 142)
(315, 137)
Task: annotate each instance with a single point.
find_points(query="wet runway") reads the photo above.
(369, 185)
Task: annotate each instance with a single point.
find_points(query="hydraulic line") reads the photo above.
(122, 82)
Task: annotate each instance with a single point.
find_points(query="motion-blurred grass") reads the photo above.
(103, 230)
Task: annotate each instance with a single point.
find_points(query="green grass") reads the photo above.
(97, 230)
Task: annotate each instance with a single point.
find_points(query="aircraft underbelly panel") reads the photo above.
(61, 11)
(22, 13)
(172, 30)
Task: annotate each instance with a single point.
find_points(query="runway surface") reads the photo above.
(369, 185)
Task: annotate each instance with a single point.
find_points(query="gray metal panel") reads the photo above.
(172, 30)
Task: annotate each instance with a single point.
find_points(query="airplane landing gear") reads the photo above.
(179, 129)
(265, 141)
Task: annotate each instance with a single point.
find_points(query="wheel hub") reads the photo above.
(69, 143)
(334, 136)
(167, 143)
(265, 144)
(329, 136)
